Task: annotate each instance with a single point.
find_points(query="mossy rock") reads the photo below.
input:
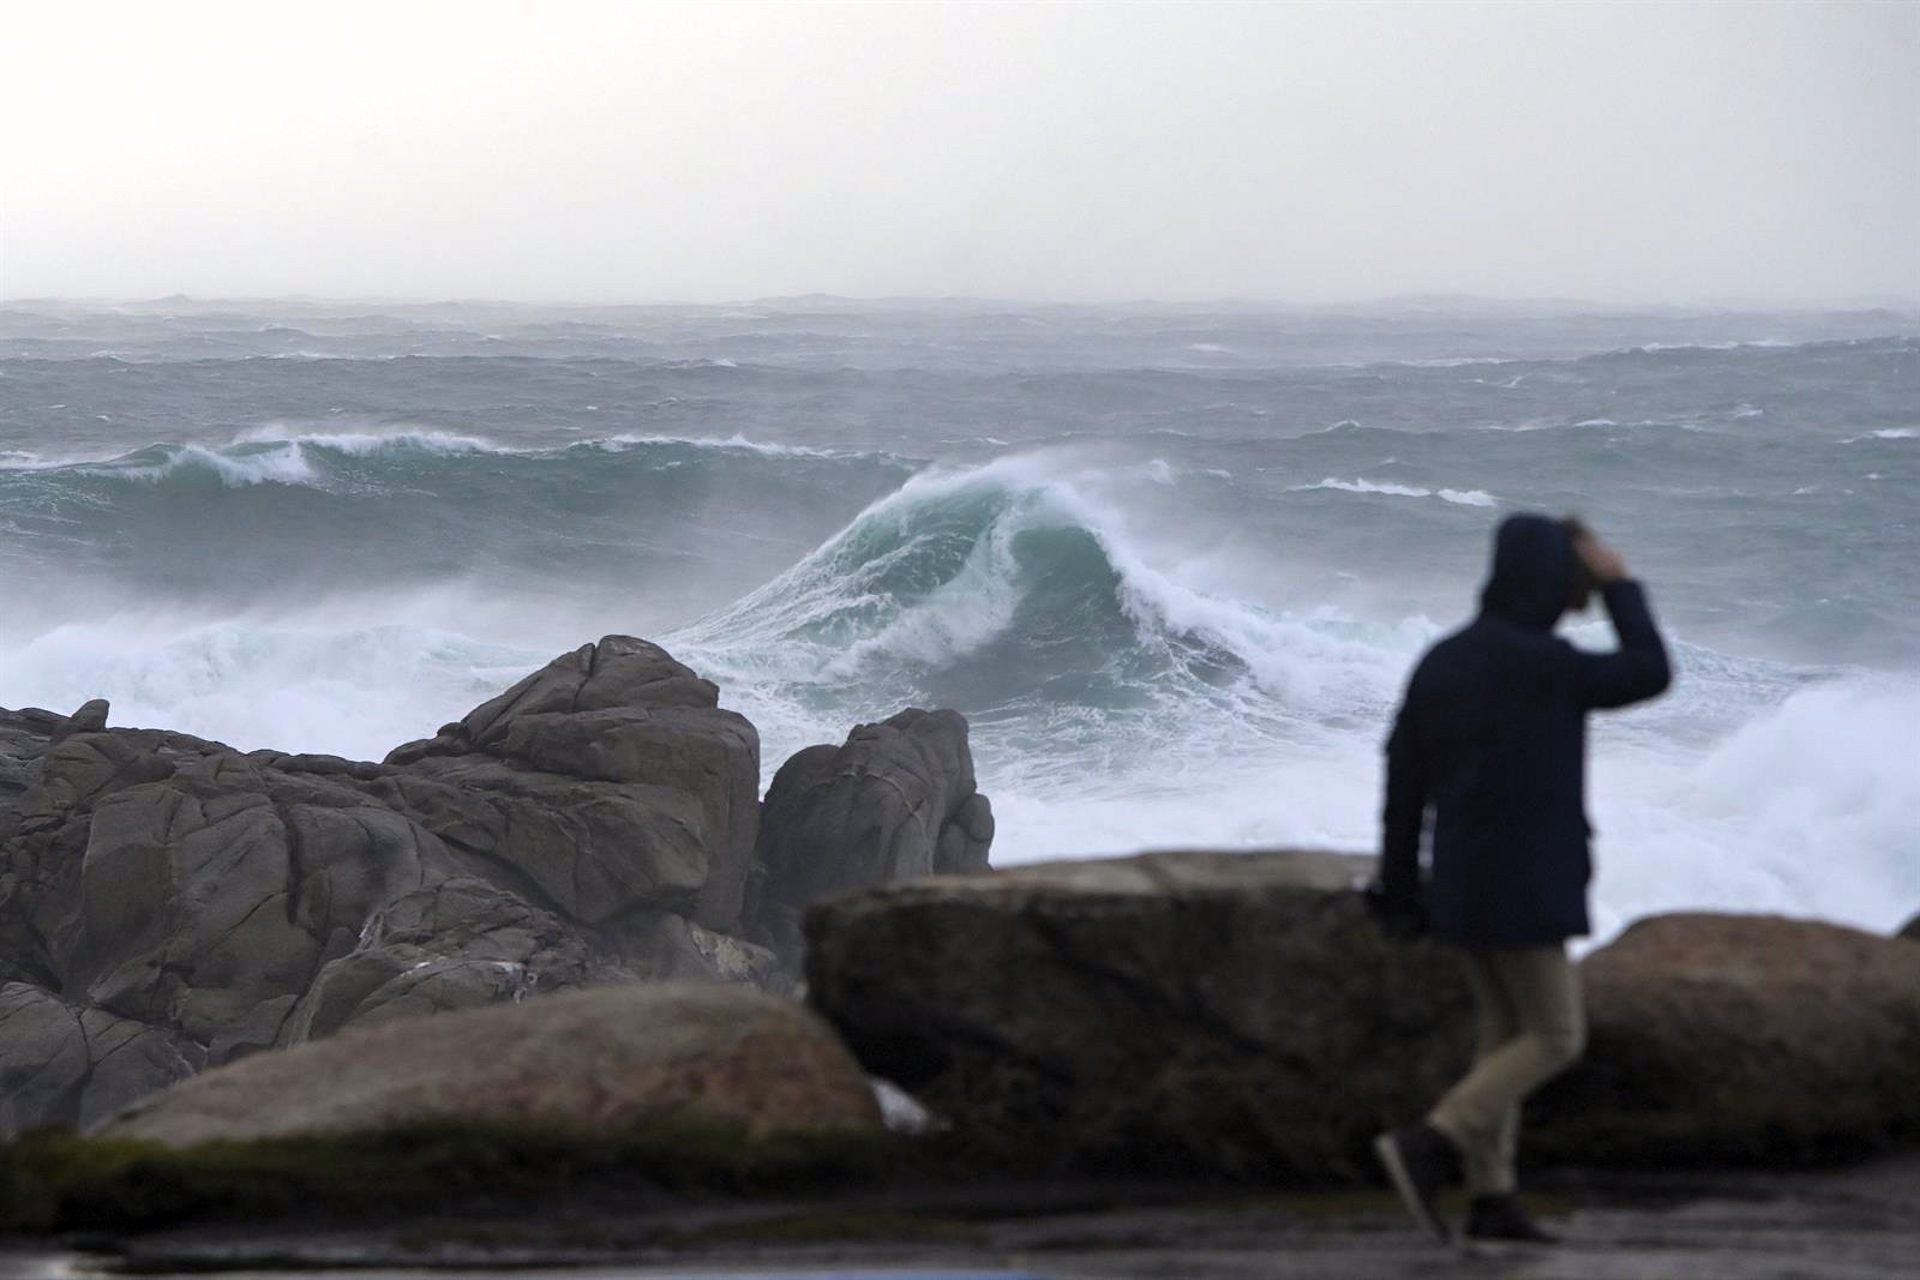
(56, 1181)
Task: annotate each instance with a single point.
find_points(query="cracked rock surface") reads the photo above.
(168, 903)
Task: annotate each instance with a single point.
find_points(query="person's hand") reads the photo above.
(1398, 917)
(1602, 563)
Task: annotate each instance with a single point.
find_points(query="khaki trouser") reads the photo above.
(1531, 1029)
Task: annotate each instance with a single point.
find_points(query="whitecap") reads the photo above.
(1459, 497)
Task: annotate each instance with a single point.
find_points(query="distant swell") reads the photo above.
(1459, 497)
(277, 455)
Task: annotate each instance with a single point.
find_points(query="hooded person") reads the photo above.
(1491, 742)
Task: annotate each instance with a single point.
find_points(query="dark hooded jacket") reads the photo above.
(1492, 739)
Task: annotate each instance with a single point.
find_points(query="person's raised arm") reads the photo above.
(1638, 669)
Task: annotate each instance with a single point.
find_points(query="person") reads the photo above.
(1491, 738)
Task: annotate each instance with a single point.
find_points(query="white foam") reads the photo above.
(296, 685)
(1366, 486)
(362, 444)
(1459, 497)
(287, 464)
(1810, 807)
(733, 443)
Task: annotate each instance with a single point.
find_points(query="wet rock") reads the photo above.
(594, 824)
(1233, 1013)
(1748, 1039)
(618, 775)
(70, 1065)
(90, 717)
(455, 944)
(24, 738)
(207, 902)
(896, 802)
(587, 1061)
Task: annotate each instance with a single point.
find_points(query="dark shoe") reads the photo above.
(1501, 1219)
(1419, 1161)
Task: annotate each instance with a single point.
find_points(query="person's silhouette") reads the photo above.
(1491, 741)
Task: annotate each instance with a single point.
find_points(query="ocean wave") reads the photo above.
(1459, 497)
(365, 444)
(238, 468)
(735, 443)
(283, 455)
(1009, 582)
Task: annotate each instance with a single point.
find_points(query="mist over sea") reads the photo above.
(1174, 563)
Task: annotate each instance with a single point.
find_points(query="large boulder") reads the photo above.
(1223, 1012)
(1239, 1013)
(1740, 1038)
(69, 1064)
(590, 1062)
(896, 802)
(610, 780)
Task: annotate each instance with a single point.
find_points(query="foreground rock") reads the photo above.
(1238, 1013)
(589, 1062)
(897, 802)
(594, 824)
(1231, 1013)
(1740, 1038)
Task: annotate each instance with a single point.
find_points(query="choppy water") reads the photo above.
(1173, 563)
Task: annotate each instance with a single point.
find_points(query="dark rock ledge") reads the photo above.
(169, 904)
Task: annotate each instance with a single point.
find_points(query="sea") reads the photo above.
(1174, 563)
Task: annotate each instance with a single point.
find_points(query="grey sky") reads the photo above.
(639, 152)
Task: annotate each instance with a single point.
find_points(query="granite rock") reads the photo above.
(1739, 1039)
(1230, 1013)
(896, 802)
(591, 1062)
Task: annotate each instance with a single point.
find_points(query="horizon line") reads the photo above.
(1422, 298)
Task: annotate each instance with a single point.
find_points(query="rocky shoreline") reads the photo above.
(169, 904)
(559, 968)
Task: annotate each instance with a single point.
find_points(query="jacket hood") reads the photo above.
(1534, 572)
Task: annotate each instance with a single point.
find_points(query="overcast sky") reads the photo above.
(569, 150)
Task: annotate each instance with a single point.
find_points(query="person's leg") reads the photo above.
(1481, 1113)
(1420, 1161)
(1496, 1022)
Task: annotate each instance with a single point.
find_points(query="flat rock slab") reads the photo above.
(589, 1062)
(1235, 1013)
